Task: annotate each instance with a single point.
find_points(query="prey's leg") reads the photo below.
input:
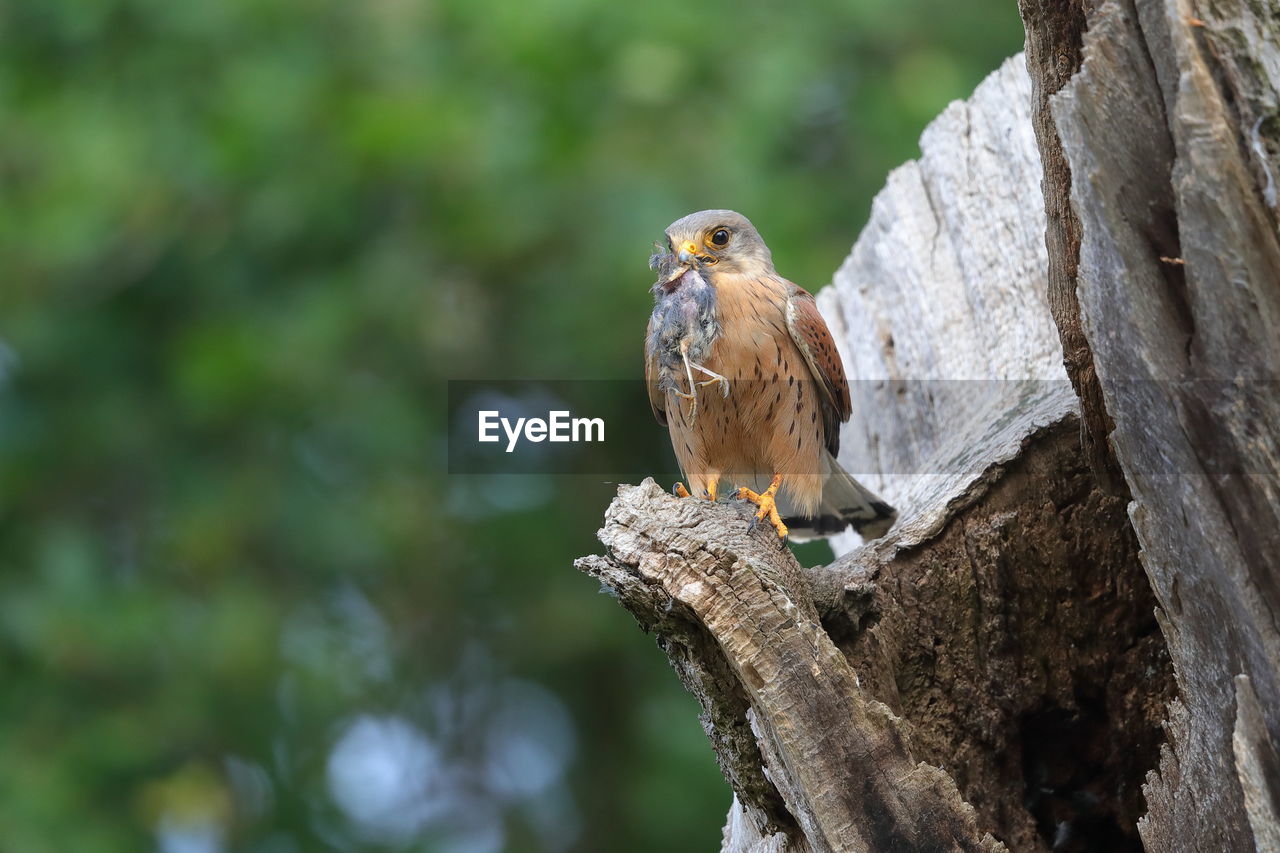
(692, 396)
(715, 377)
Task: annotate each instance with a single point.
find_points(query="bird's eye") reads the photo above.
(720, 237)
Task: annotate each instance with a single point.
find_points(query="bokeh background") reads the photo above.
(244, 244)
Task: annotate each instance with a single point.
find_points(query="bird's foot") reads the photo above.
(768, 504)
(709, 493)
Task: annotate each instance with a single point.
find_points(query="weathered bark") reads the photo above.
(1033, 718)
(812, 753)
(1169, 131)
(1066, 383)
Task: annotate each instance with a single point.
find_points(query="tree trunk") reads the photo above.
(1081, 593)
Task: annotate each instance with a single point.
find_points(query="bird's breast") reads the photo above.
(753, 342)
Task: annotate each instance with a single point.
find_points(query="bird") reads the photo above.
(742, 370)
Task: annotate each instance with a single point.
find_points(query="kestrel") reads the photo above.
(743, 371)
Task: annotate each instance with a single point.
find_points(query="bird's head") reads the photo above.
(712, 242)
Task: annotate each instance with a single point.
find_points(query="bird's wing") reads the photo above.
(657, 398)
(811, 336)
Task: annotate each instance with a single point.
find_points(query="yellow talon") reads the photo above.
(709, 493)
(768, 505)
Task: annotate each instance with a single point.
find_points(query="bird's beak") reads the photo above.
(687, 252)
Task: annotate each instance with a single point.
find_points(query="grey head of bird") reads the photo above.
(712, 243)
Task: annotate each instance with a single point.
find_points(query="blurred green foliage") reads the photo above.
(244, 244)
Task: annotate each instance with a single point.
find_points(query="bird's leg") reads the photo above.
(768, 505)
(679, 490)
(715, 377)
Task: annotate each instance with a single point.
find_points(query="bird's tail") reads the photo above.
(845, 503)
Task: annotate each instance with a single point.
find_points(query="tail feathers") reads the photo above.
(845, 503)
